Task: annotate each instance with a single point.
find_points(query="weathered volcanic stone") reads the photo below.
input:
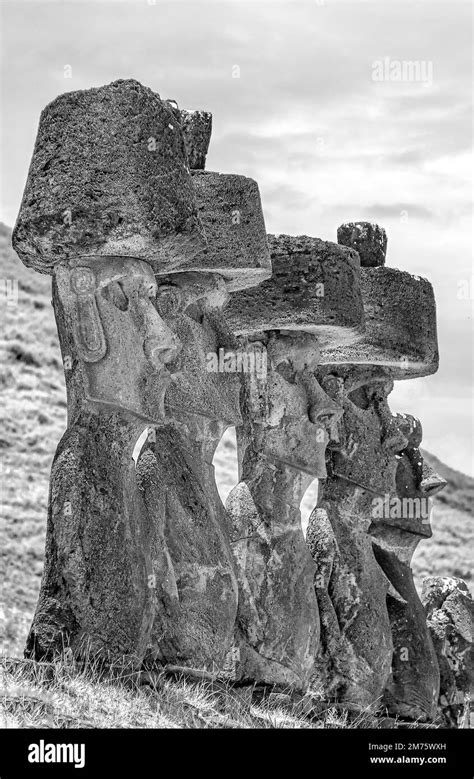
(353, 665)
(95, 596)
(109, 176)
(397, 528)
(231, 213)
(369, 240)
(281, 449)
(194, 584)
(197, 128)
(400, 322)
(450, 613)
(315, 287)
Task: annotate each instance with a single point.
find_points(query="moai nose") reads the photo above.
(161, 344)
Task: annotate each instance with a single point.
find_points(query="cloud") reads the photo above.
(304, 117)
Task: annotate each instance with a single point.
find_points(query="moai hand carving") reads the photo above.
(313, 298)
(397, 528)
(450, 615)
(399, 342)
(195, 586)
(132, 211)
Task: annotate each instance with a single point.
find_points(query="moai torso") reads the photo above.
(356, 643)
(119, 209)
(281, 447)
(94, 595)
(195, 586)
(402, 521)
(364, 472)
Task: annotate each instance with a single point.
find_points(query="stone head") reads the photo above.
(115, 345)
(365, 445)
(204, 387)
(313, 298)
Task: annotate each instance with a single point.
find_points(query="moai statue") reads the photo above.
(194, 583)
(357, 635)
(400, 523)
(109, 200)
(450, 614)
(312, 299)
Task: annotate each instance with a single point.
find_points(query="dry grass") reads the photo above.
(61, 695)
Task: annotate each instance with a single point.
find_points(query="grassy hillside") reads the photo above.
(34, 418)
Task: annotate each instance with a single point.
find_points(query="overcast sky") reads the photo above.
(295, 105)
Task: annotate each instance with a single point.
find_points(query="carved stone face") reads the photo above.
(190, 304)
(297, 414)
(364, 449)
(415, 483)
(120, 342)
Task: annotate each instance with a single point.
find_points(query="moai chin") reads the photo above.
(399, 523)
(399, 343)
(194, 584)
(313, 298)
(103, 209)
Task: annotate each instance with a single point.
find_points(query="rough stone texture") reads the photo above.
(354, 662)
(315, 286)
(413, 688)
(230, 211)
(194, 585)
(109, 176)
(94, 594)
(197, 129)
(450, 614)
(281, 448)
(369, 240)
(400, 320)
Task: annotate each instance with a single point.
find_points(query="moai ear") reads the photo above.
(88, 331)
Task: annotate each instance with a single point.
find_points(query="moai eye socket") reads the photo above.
(169, 301)
(115, 294)
(286, 371)
(360, 397)
(333, 386)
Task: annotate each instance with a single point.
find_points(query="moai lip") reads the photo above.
(369, 240)
(281, 448)
(315, 287)
(109, 176)
(449, 611)
(231, 213)
(400, 333)
(413, 687)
